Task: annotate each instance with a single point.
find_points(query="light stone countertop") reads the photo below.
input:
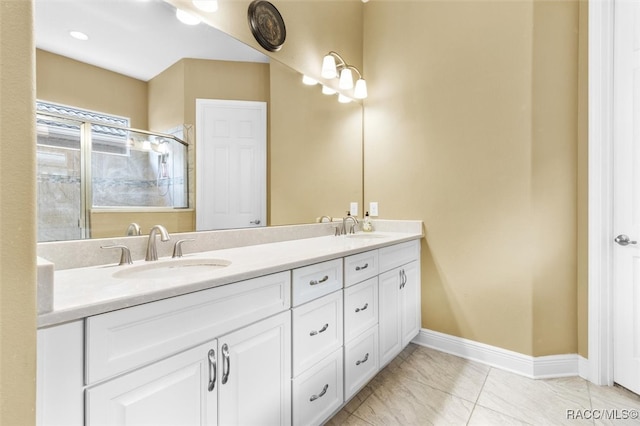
(82, 292)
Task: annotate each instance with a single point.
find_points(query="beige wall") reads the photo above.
(477, 135)
(315, 155)
(69, 82)
(17, 218)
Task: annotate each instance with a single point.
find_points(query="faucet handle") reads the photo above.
(125, 255)
(177, 248)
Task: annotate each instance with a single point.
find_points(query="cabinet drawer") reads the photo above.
(360, 267)
(360, 361)
(318, 392)
(121, 340)
(317, 331)
(397, 255)
(313, 281)
(360, 308)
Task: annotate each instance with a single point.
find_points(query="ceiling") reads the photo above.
(137, 38)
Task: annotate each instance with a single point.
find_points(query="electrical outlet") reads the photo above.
(353, 208)
(373, 209)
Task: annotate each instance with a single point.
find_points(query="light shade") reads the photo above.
(206, 5)
(343, 99)
(186, 17)
(360, 92)
(328, 90)
(329, 67)
(309, 81)
(346, 79)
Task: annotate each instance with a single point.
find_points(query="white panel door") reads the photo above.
(626, 320)
(410, 301)
(254, 380)
(231, 141)
(175, 391)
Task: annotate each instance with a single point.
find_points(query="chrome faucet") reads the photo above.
(152, 252)
(133, 229)
(352, 230)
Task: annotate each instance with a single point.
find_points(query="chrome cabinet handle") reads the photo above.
(226, 364)
(366, 305)
(403, 279)
(321, 394)
(366, 357)
(624, 240)
(360, 268)
(316, 282)
(323, 329)
(212, 369)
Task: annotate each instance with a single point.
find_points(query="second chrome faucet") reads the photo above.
(152, 252)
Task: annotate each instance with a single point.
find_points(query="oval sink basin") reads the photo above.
(171, 269)
(365, 236)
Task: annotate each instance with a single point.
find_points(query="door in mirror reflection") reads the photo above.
(231, 141)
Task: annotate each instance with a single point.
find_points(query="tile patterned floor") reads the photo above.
(426, 387)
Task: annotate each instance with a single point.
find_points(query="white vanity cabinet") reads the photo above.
(317, 316)
(177, 390)
(399, 295)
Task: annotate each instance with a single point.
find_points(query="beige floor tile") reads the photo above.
(399, 401)
(538, 402)
(614, 405)
(485, 417)
(343, 418)
(358, 399)
(445, 372)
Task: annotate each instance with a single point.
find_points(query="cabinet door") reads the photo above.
(175, 391)
(254, 374)
(389, 323)
(410, 308)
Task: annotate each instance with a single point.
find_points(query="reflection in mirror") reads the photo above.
(314, 150)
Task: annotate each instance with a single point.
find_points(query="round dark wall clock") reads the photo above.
(267, 25)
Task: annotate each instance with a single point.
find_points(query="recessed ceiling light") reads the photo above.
(186, 17)
(79, 35)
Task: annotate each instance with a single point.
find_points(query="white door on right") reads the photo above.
(626, 303)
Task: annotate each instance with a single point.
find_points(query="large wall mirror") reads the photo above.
(142, 64)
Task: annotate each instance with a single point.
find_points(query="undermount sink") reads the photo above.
(364, 235)
(171, 268)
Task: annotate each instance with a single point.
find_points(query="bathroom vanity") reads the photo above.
(276, 333)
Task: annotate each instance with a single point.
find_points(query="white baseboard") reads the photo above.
(541, 367)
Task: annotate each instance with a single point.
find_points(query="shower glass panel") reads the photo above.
(133, 168)
(58, 153)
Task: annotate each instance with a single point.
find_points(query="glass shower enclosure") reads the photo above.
(84, 165)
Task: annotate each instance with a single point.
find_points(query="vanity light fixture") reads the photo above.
(206, 5)
(309, 81)
(343, 99)
(186, 17)
(333, 65)
(326, 90)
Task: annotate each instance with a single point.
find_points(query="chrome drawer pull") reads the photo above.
(366, 305)
(212, 369)
(321, 394)
(316, 282)
(366, 357)
(360, 268)
(313, 333)
(226, 364)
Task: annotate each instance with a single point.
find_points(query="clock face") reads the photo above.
(267, 25)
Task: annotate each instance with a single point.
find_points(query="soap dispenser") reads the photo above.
(366, 223)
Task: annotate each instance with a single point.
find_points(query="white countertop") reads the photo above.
(82, 292)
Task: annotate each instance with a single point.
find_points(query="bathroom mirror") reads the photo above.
(314, 151)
